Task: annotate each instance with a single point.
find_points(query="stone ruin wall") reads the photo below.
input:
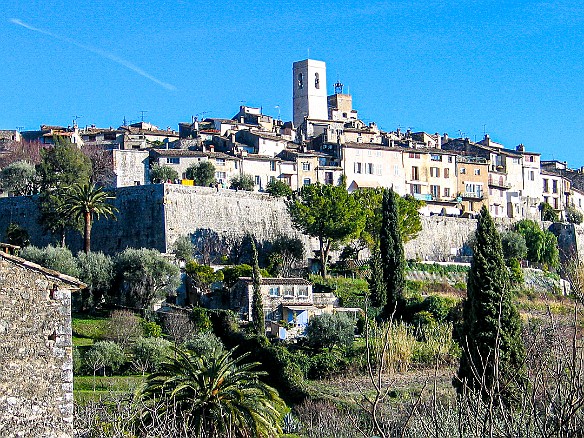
(36, 362)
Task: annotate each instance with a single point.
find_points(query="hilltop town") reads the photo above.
(326, 142)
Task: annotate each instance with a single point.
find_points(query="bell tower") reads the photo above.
(309, 91)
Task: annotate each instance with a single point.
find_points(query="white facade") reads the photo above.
(309, 91)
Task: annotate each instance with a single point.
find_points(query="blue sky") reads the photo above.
(512, 69)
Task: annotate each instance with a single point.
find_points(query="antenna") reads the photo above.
(142, 114)
(75, 118)
(278, 106)
(19, 128)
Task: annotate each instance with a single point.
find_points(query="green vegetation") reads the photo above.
(542, 246)
(573, 215)
(161, 174)
(202, 173)
(83, 201)
(327, 213)
(493, 349)
(257, 306)
(242, 182)
(278, 188)
(548, 213)
(19, 179)
(328, 331)
(16, 235)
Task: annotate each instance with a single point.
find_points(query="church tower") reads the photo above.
(309, 91)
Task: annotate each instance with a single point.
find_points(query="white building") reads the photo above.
(309, 91)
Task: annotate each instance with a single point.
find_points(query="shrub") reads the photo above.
(150, 329)
(278, 188)
(202, 173)
(242, 182)
(548, 213)
(150, 353)
(201, 319)
(204, 343)
(326, 364)
(440, 307)
(16, 235)
(161, 174)
(57, 258)
(97, 271)
(328, 331)
(514, 245)
(573, 215)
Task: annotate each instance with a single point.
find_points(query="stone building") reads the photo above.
(36, 360)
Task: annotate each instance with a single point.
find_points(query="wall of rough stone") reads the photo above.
(36, 362)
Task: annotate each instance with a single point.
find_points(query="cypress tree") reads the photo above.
(493, 352)
(392, 255)
(257, 306)
(377, 290)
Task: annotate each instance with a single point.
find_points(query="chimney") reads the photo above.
(211, 147)
(520, 148)
(445, 138)
(438, 141)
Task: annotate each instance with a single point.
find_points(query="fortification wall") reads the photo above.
(36, 361)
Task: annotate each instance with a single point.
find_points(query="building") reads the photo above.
(472, 175)
(36, 364)
(309, 91)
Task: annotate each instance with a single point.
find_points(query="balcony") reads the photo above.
(499, 183)
(473, 195)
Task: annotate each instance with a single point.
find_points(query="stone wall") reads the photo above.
(36, 362)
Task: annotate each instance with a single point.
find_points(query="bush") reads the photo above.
(16, 235)
(202, 173)
(204, 343)
(514, 246)
(515, 272)
(548, 213)
(150, 329)
(440, 307)
(150, 353)
(242, 182)
(327, 331)
(327, 364)
(201, 319)
(162, 174)
(57, 258)
(350, 292)
(278, 188)
(232, 273)
(573, 215)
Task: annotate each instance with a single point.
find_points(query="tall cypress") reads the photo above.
(392, 254)
(493, 352)
(377, 289)
(257, 305)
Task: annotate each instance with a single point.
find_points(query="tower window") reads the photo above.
(316, 81)
(300, 80)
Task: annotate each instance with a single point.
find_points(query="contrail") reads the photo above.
(99, 52)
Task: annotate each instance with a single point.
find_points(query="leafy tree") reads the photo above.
(242, 182)
(328, 213)
(514, 246)
(62, 165)
(278, 188)
(327, 331)
(150, 353)
(201, 319)
(202, 276)
(57, 258)
(548, 213)
(285, 253)
(124, 327)
(19, 179)
(83, 202)
(232, 273)
(542, 246)
(16, 235)
(409, 217)
(183, 248)
(143, 275)
(257, 305)
(97, 271)
(392, 254)
(161, 174)
(573, 215)
(203, 173)
(105, 355)
(493, 355)
(216, 395)
(204, 344)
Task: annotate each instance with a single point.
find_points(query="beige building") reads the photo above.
(472, 179)
(262, 168)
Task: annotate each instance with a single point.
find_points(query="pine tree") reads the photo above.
(493, 352)
(257, 306)
(392, 254)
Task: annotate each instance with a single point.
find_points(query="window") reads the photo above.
(531, 175)
(358, 168)
(328, 177)
(220, 161)
(531, 158)
(288, 292)
(258, 180)
(477, 171)
(435, 191)
(173, 160)
(415, 189)
(447, 192)
(300, 80)
(303, 292)
(516, 161)
(415, 173)
(396, 170)
(435, 157)
(220, 176)
(305, 166)
(274, 291)
(272, 166)
(378, 153)
(414, 155)
(378, 169)
(272, 179)
(474, 189)
(555, 186)
(450, 159)
(435, 172)
(556, 206)
(546, 187)
(446, 173)
(462, 170)
(306, 181)
(316, 81)
(369, 152)
(370, 168)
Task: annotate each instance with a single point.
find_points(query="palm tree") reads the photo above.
(82, 201)
(215, 395)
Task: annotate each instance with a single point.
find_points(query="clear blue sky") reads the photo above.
(514, 69)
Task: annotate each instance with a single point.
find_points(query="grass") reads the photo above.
(90, 327)
(82, 342)
(108, 383)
